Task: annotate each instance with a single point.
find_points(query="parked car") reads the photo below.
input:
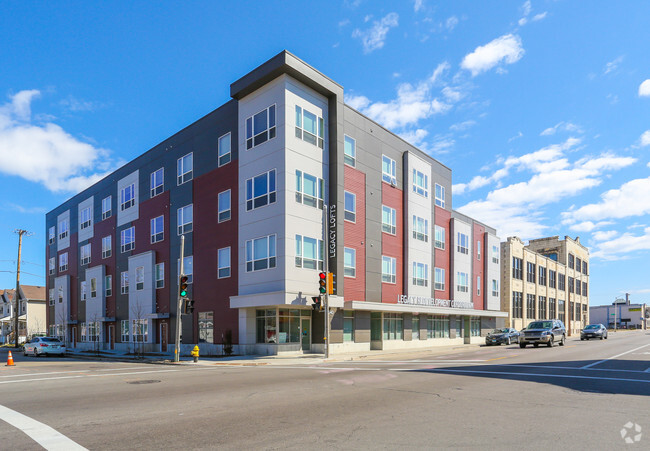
(506, 335)
(593, 331)
(545, 332)
(44, 346)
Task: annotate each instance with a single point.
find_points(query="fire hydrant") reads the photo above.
(195, 353)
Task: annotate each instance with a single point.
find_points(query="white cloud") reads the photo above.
(644, 88)
(462, 126)
(561, 126)
(451, 23)
(26, 210)
(613, 65)
(375, 37)
(44, 152)
(540, 16)
(417, 5)
(604, 235)
(506, 48)
(588, 226)
(645, 138)
(414, 137)
(526, 8)
(616, 248)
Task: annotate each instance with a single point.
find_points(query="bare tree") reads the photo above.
(139, 315)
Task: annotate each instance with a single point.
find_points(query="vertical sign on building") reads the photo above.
(331, 236)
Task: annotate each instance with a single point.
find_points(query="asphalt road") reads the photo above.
(580, 396)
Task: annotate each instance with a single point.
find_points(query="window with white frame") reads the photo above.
(495, 288)
(63, 229)
(107, 207)
(350, 151)
(128, 239)
(107, 246)
(223, 262)
(93, 287)
(420, 229)
(188, 268)
(184, 169)
(206, 327)
(140, 330)
(420, 183)
(224, 206)
(124, 282)
(260, 253)
(156, 182)
(439, 279)
(309, 189)
(388, 170)
(50, 297)
(462, 282)
(350, 213)
(139, 278)
(349, 262)
(85, 220)
(157, 228)
(125, 330)
(63, 262)
(51, 235)
(84, 293)
(127, 197)
(85, 254)
(184, 219)
(388, 269)
(495, 254)
(93, 331)
(260, 127)
(388, 220)
(52, 265)
(309, 252)
(420, 274)
(60, 295)
(160, 275)
(463, 243)
(108, 286)
(440, 196)
(478, 285)
(260, 190)
(309, 127)
(478, 250)
(224, 144)
(439, 237)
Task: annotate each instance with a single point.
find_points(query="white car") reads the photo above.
(44, 346)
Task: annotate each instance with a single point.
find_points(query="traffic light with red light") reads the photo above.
(322, 283)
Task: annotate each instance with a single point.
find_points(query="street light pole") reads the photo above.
(178, 305)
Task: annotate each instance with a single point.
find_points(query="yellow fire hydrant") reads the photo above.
(195, 353)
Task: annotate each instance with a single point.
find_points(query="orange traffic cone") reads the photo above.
(10, 360)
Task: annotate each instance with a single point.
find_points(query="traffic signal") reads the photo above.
(322, 282)
(188, 306)
(317, 304)
(331, 282)
(183, 286)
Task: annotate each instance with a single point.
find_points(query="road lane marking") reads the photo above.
(88, 375)
(499, 358)
(566, 376)
(41, 374)
(611, 358)
(41, 433)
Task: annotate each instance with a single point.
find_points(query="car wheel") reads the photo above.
(535, 345)
(582, 339)
(522, 345)
(550, 342)
(508, 341)
(601, 337)
(35, 353)
(562, 340)
(605, 336)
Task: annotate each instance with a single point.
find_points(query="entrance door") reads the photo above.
(305, 333)
(111, 337)
(163, 337)
(467, 330)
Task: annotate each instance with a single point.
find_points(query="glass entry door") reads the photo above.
(305, 331)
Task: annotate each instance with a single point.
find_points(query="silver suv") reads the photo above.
(547, 332)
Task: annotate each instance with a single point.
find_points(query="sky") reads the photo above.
(541, 108)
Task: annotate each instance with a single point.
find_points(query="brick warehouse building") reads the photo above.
(246, 185)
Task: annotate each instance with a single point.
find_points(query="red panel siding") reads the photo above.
(355, 235)
(477, 266)
(392, 245)
(442, 258)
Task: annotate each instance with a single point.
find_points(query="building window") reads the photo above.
(309, 127)
(260, 253)
(157, 227)
(160, 275)
(260, 127)
(60, 295)
(128, 239)
(440, 196)
(571, 261)
(85, 220)
(420, 229)
(184, 169)
(478, 250)
(124, 282)
(551, 278)
(571, 288)
(223, 262)
(478, 285)
(63, 262)
(349, 262)
(388, 220)
(206, 327)
(420, 183)
(561, 278)
(348, 325)
(530, 306)
(551, 308)
(63, 229)
(517, 304)
(350, 213)
(224, 145)
(542, 307)
(584, 288)
(127, 197)
(50, 299)
(266, 326)
(578, 291)
(463, 243)
(439, 237)
(560, 310)
(393, 326)
(439, 281)
(462, 282)
(437, 326)
(184, 219)
(517, 268)
(93, 331)
(584, 267)
(388, 170)
(475, 327)
(85, 254)
(83, 291)
(188, 268)
(260, 190)
(107, 246)
(106, 207)
(530, 272)
(578, 264)
(350, 151)
(93, 287)
(51, 235)
(388, 269)
(495, 288)
(542, 275)
(140, 330)
(156, 182)
(309, 252)
(125, 330)
(52, 265)
(309, 190)
(108, 288)
(495, 254)
(420, 274)
(139, 278)
(224, 206)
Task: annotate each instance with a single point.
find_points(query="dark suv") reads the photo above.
(546, 331)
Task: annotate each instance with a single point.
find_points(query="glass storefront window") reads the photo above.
(437, 326)
(375, 326)
(475, 327)
(287, 321)
(206, 327)
(415, 328)
(348, 325)
(393, 326)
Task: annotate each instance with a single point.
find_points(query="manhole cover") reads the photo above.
(148, 381)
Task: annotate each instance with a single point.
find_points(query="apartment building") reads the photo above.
(545, 279)
(267, 189)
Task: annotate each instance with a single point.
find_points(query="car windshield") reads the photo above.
(51, 340)
(500, 331)
(592, 326)
(540, 325)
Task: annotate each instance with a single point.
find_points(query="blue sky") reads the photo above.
(541, 108)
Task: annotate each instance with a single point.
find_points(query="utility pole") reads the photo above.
(20, 233)
(177, 351)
